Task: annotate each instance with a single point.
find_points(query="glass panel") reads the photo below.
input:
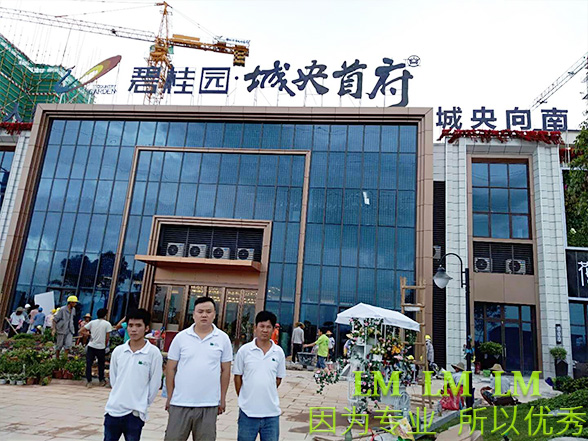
(245, 200)
(367, 245)
(386, 246)
(303, 138)
(43, 194)
(500, 227)
(231, 313)
(268, 166)
(407, 172)
(161, 133)
(517, 174)
(479, 174)
(65, 231)
(214, 134)
(336, 164)
(252, 136)
(355, 139)
(366, 286)
(352, 204)
(347, 285)
(195, 135)
(108, 167)
(329, 284)
(370, 170)
(405, 238)
(512, 346)
(520, 227)
(79, 162)
(481, 225)
(96, 233)
(247, 169)
(406, 209)
(386, 294)
(171, 167)
(314, 241)
(99, 134)
(174, 312)
(177, 134)
(526, 313)
(264, 202)
(271, 136)
(191, 167)
(318, 169)
(408, 138)
(519, 201)
(292, 238)
(125, 159)
(493, 332)
(492, 311)
(233, 135)
(158, 306)
(278, 242)
(49, 237)
(102, 196)
(528, 348)
(210, 168)
(332, 245)
(349, 246)
(511, 312)
(480, 199)
(119, 195)
(225, 201)
(72, 128)
(388, 171)
(498, 175)
(186, 200)
(156, 166)
(310, 283)
(289, 282)
(64, 162)
(321, 138)
(371, 141)
(57, 195)
(206, 197)
(130, 133)
(334, 207)
(248, 316)
(499, 200)
(369, 207)
(338, 138)
(353, 170)
(167, 199)
(146, 133)
(295, 205)
(387, 211)
(228, 169)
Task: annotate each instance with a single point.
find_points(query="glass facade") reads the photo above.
(360, 234)
(579, 331)
(5, 164)
(500, 198)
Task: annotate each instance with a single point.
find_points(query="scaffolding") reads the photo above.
(413, 300)
(24, 84)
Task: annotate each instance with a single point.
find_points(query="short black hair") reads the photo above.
(139, 314)
(264, 316)
(204, 299)
(101, 313)
(324, 329)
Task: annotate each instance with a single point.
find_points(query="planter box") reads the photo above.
(307, 359)
(561, 368)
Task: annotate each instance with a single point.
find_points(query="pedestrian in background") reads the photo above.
(38, 323)
(17, 320)
(259, 369)
(276, 334)
(65, 326)
(322, 343)
(297, 341)
(98, 332)
(135, 377)
(331, 345)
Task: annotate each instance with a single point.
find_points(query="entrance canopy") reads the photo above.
(389, 317)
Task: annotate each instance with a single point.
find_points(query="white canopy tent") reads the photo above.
(388, 316)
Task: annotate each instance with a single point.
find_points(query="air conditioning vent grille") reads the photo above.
(502, 253)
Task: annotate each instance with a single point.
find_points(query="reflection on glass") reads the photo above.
(480, 174)
(481, 225)
(517, 175)
(498, 175)
(158, 306)
(499, 200)
(513, 346)
(174, 312)
(248, 315)
(231, 313)
(520, 227)
(500, 226)
(519, 201)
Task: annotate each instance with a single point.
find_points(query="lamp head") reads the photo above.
(441, 278)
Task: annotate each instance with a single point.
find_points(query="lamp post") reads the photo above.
(441, 279)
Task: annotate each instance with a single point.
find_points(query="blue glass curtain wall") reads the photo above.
(360, 235)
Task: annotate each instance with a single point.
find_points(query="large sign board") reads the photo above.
(577, 264)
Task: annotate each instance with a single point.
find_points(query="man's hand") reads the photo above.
(222, 406)
(167, 403)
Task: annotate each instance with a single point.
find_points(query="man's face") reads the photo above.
(136, 329)
(320, 332)
(204, 314)
(263, 330)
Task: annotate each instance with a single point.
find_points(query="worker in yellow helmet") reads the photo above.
(64, 326)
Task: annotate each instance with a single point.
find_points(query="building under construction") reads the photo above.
(24, 84)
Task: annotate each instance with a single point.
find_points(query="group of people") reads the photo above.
(197, 379)
(325, 345)
(29, 319)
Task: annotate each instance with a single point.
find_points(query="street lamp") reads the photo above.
(442, 279)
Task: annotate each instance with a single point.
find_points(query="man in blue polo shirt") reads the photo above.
(259, 368)
(198, 374)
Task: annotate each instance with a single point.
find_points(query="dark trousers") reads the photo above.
(92, 353)
(129, 425)
(296, 348)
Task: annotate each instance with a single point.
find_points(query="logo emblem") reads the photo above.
(99, 70)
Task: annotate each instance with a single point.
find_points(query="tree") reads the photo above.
(576, 191)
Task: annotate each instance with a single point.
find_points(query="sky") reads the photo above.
(499, 54)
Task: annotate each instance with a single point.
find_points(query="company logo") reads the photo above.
(96, 72)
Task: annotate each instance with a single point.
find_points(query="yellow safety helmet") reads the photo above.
(427, 337)
(53, 311)
(410, 357)
(73, 299)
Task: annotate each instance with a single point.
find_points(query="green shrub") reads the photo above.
(574, 399)
(558, 353)
(559, 382)
(77, 367)
(569, 386)
(491, 348)
(24, 337)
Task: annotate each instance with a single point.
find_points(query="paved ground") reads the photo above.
(68, 410)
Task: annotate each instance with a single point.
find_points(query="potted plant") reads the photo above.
(492, 352)
(559, 354)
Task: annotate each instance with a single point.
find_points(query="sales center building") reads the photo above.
(300, 211)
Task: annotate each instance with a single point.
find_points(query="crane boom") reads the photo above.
(76, 25)
(563, 79)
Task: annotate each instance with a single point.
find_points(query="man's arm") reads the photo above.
(225, 380)
(113, 368)
(238, 383)
(155, 377)
(170, 380)
(278, 382)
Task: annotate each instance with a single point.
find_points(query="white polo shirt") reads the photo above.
(197, 382)
(258, 397)
(135, 378)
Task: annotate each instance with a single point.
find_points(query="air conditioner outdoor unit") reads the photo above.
(197, 250)
(436, 252)
(482, 264)
(175, 249)
(221, 253)
(516, 266)
(245, 253)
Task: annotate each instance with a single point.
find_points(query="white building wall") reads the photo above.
(456, 241)
(551, 258)
(12, 186)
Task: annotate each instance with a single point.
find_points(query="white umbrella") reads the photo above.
(388, 316)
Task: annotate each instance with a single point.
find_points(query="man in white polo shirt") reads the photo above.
(135, 377)
(259, 368)
(198, 374)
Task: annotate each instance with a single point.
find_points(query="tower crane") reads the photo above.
(563, 79)
(161, 50)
